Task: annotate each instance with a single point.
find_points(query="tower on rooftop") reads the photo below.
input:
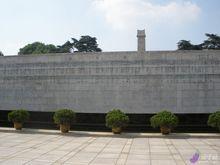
(141, 40)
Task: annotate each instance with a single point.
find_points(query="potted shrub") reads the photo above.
(64, 117)
(165, 120)
(214, 120)
(116, 120)
(18, 117)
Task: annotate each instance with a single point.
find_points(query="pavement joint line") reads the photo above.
(13, 155)
(210, 145)
(125, 142)
(171, 152)
(179, 152)
(191, 146)
(58, 137)
(149, 151)
(5, 135)
(84, 145)
(129, 144)
(78, 150)
(100, 151)
(116, 146)
(205, 142)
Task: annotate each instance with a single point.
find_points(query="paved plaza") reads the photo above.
(52, 147)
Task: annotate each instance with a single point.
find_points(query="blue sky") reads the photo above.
(112, 22)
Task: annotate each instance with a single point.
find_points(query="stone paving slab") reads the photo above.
(39, 147)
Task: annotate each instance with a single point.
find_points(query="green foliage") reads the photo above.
(214, 120)
(64, 116)
(164, 118)
(19, 116)
(86, 44)
(186, 45)
(65, 48)
(213, 42)
(1, 54)
(37, 48)
(116, 118)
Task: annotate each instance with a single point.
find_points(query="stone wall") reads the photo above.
(181, 81)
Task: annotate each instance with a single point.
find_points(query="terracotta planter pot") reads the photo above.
(165, 130)
(116, 130)
(64, 128)
(18, 126)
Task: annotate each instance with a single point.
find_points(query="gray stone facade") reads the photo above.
(181, 81)
(141, 41)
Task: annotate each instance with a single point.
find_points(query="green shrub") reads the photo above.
(19, 116)
(116, 118)
(214, 120)
(64, 116)
(164, 118)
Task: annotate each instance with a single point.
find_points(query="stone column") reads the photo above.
(141, 40)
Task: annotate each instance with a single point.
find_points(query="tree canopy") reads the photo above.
(37, 48)
(84, 44)
(213, 42)
(186, 45)
(67, 47)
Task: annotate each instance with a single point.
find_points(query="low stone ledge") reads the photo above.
(110, 134)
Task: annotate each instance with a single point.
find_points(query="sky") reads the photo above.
(113, 22)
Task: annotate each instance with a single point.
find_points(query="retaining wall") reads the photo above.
(181, 81)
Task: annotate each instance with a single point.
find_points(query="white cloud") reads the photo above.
(123, 14)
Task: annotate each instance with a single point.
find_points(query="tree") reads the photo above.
(213, 42)
(186, 45)
(86, 44)
(1, 54)
(67, 47)
(37, 48)
(197, 47)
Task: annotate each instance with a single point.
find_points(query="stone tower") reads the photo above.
(141, 40)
